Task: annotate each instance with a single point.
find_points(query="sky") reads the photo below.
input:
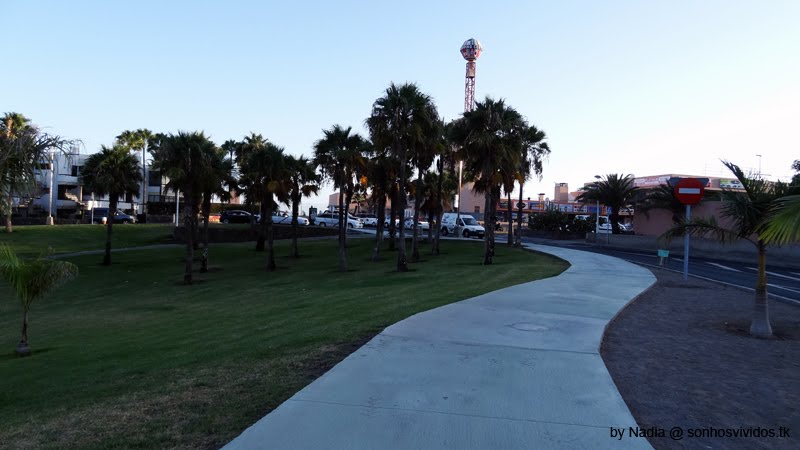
(635, 87)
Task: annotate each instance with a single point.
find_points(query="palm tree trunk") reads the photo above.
(508, 211)
(295, 213)
(430, 226)
(206, 215)
(270, 247)
(195, 224)
(438, 238)
(23, 349)
(415, 230)
(488, 237)
(518, 242)
(402, 264)
(439, 205)
(392, 214)
(347, 211)
(188, 222)
(9, 226)
(760, 326)
(112, 208)
(614, 218)
(381, 214)
(342, 231)
(262, 227)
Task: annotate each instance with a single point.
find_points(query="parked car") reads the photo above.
(469, 226)
(236, 216)
(369, 220)
(331, 219)
(119, 216)
(422, 224)
(287, 219)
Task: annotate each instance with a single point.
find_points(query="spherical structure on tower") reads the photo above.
(471, 49)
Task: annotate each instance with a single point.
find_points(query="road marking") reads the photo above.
(723, 267)
(794, 273)
(784, 288)
(779, 297)
(776, 274)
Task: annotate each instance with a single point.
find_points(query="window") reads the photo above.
(478, 209)
(76, 171)
(154, 179)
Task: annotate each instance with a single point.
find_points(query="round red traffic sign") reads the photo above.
(689, 191)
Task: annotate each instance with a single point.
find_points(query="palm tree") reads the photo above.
(250, 181)
(616, 192)
(784, 224)
(401, 120)
(534, 152)
(113, 172)
(138, 140)
(424, 153)
(265, 175)
(380, 176)
(23, 148)
(31, 280)
(750, 214)
(339, 157)
(304, 182)
(217, 181)
(232, 147)
(490, 140)
(184, 159)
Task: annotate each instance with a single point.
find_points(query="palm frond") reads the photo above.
(784, 222)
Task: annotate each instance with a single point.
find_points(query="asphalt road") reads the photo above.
(782, 284)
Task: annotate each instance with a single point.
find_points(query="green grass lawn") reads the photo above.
(35, 239)
(125, 356)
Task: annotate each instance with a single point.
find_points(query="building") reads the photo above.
(69, 197)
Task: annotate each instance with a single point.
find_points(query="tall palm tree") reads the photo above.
(616, 192)
(138, 140)
(401, 120)
(380, 175)
(534, 151)
(23, 148)
(750, 214)
(232, 148)
(250, 181)
(217, 181)
(304, 182)
(184, 159)
(114, 172)
(424, 153)
(490, 140)
(265, 172)
(339, 157)
(31, 280)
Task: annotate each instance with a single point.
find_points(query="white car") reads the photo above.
(279, 218)
(288, 220)
(331, 219)
(369, 220)
(423, 225)
(468, 225)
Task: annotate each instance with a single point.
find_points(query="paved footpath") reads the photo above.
(517, 368)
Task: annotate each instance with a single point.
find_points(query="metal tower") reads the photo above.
(471, 51)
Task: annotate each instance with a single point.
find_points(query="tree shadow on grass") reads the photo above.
(34, 351)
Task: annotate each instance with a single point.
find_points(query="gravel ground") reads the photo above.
(681, 357)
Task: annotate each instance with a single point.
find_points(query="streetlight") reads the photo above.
(50, 197)
(597, 213)
(759, 165)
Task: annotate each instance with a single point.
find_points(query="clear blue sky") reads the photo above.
(636, 87)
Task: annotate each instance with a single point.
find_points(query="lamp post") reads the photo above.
(597, 213)
(50, 196)
(759, 165)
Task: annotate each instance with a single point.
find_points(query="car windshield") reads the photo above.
(469, 221)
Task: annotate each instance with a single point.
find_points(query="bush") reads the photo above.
(558, 221)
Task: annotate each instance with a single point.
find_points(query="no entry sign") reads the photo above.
(689, 191)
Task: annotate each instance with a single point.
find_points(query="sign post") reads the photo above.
(689, 191)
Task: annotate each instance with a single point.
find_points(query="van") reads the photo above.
(467, 224)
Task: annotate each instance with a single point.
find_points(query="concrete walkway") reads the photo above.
(517, 368)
